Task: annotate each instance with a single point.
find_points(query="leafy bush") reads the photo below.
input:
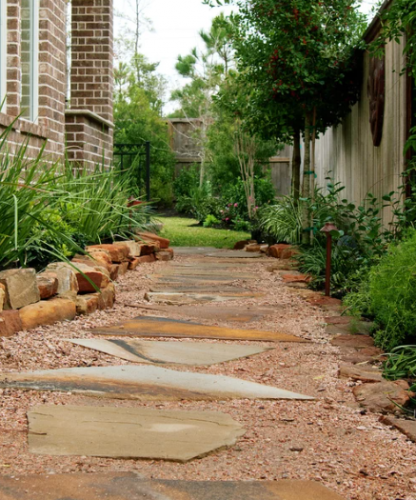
(392, 293)
(283, 220)
(211, 221)
(50, 211)
(186, 182)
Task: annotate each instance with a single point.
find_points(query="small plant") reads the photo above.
(392, 291)
(401, 363)
(211, 221)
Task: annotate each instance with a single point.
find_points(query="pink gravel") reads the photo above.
(329, 440)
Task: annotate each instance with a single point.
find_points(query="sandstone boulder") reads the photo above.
(10, 323)
(147, 259)
(149, 248)
(123, 268)
(282, 251)
(67, 280)
(2, 296)
(21, 288)
(165, 255)
(91, 278)
(87, 304)
(151, 237)
(383, 397)
(134, 247)
(114, 272)
(47, 312)
(117, 252)
(107, 297)
(47, 284)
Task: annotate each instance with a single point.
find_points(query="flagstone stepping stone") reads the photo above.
(190, 298)
(129, 486)
(184, 353)
(364, 373)
(197, 278)
(406, 427)
(200, 289)
(215, 313)
(208, 271)
(144, 383)
(382, 397)
(148, 326)
(356, 341)
(234, 254)
(129, 432)
(194, 250)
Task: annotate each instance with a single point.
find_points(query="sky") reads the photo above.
(175, 28)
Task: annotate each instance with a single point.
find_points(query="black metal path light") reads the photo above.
(328, 229)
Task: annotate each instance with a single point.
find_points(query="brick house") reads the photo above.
(58, 80)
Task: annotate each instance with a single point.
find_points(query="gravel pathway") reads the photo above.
(330, 440)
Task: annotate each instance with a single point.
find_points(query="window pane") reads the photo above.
(3, 50)
(27, 59)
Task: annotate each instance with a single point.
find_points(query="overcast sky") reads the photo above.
(176, 24)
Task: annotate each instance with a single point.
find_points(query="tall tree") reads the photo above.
(296, 59)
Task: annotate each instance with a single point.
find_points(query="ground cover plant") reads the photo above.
(187, 232)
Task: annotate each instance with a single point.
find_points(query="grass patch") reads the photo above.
(183, 233)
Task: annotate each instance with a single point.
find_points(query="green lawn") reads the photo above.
(181, 234)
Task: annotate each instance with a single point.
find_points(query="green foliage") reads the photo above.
(137, 118)
(211, 221)
(282, 221)
(401, 363)
(50, 211)
(186, 182)
(392, 292)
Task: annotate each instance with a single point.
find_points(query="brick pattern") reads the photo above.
(52, 69)
(92, 56)
(13, 58)
(89, 142)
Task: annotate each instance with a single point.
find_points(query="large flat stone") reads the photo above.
(20, 286)
(382, 397)
(406, 427)
(208, 271)
(147, 326)
(184, 353)
(216, 276)
(193, 250)
(213, 312)
(177, 298)
(364, 373)
(145, 383)
(234, 254)
(129, 486)
(129, 432)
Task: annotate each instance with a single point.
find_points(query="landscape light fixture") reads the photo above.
(327, 229)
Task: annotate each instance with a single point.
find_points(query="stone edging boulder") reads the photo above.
(64, 290)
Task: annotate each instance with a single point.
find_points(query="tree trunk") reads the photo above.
(306, 190)
(296, 162)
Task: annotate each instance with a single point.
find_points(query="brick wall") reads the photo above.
(50, 126)
(90, 136)
(91, 83)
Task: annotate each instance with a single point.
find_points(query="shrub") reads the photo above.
(211, 221)
(392, 292)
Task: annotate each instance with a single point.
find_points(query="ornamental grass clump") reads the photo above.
(392, 292)
(50, 211)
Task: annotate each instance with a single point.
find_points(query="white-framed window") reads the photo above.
(30, 59)
(3, 51)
